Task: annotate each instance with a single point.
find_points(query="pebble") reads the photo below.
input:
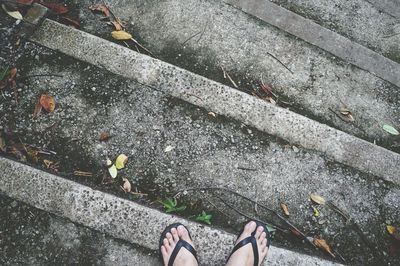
(93, 88)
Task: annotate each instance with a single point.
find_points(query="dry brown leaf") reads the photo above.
(12, 74)
(101, 8)
(104, 136)
(117, 25)
(38, 109)
(321, 244)
(2, 144)
(285, 208)
(317, 199)
(47, 102)
(126, 186)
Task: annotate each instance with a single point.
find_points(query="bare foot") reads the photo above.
(184, 257)
(244, 256)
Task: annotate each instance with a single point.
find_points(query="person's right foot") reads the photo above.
(184, 257)
(244, 256)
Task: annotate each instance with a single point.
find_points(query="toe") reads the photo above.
(164, 252)
(166, 244)
(170, 239)
(262, 236)
(259, 231)
(183, 233)
(249, 228)
(174, 233)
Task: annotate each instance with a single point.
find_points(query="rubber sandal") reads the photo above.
(252, 240)
(181, 244)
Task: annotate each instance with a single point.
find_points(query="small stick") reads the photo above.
(191, 37)
(141, 46)
(229, 77)
(83, 173)
(138, 193)
(280, 62)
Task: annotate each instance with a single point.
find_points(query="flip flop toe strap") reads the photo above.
(252, 240)
(181, 243)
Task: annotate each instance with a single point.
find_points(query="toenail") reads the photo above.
(260, 229)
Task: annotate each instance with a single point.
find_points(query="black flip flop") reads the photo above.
(252, 240)
(181, 244)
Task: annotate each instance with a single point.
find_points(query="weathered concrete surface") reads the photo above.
(359, 20)
(30, 236)
(202, 35)
(221, 99)
(325, 39)
(121, 218)
(207, 151)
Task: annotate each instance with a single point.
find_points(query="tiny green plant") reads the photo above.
(171, 205)
(204, 217)
(4, 73)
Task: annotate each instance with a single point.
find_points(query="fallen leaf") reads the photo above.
(317, 199)
(47, 163)
(344, 111)
(12, 74)
(121, 161)
(212, 114)
(72, 21)
(391, 229)
(169, 148)
(126, 187)
(391, 130)
(104, 136)
(315, 211)
(2, 144)
(101, 8)
(47, 102)
(320, 243)
(267, 88)
(113, 171)
(14, 14)
(270, 99)
(32, 155)
(121, 35)
(285, 209)
(117, 25)
(38, 109)
(56, 7)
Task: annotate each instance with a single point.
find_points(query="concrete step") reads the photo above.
(315, 81)
(213, 96)
(373, 24)
(30, 236)
(144, 118)
(121, 219)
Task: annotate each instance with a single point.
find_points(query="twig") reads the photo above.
(141, 46)
(191, 37)
(209, 201)
(83, 173)
(291, 226)
(245, 168)
(226, 75)
(249, 217)
(41, 75)
(280, 62)
(138, 193)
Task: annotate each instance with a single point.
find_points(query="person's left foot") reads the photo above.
(184, 257)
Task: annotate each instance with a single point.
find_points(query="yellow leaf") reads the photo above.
(391, 229)
(121, 35)
(113, 171)
(212, 114)
(121, 161)
(14, 14)
(317, 199)
(285, 209)
(316, 212)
